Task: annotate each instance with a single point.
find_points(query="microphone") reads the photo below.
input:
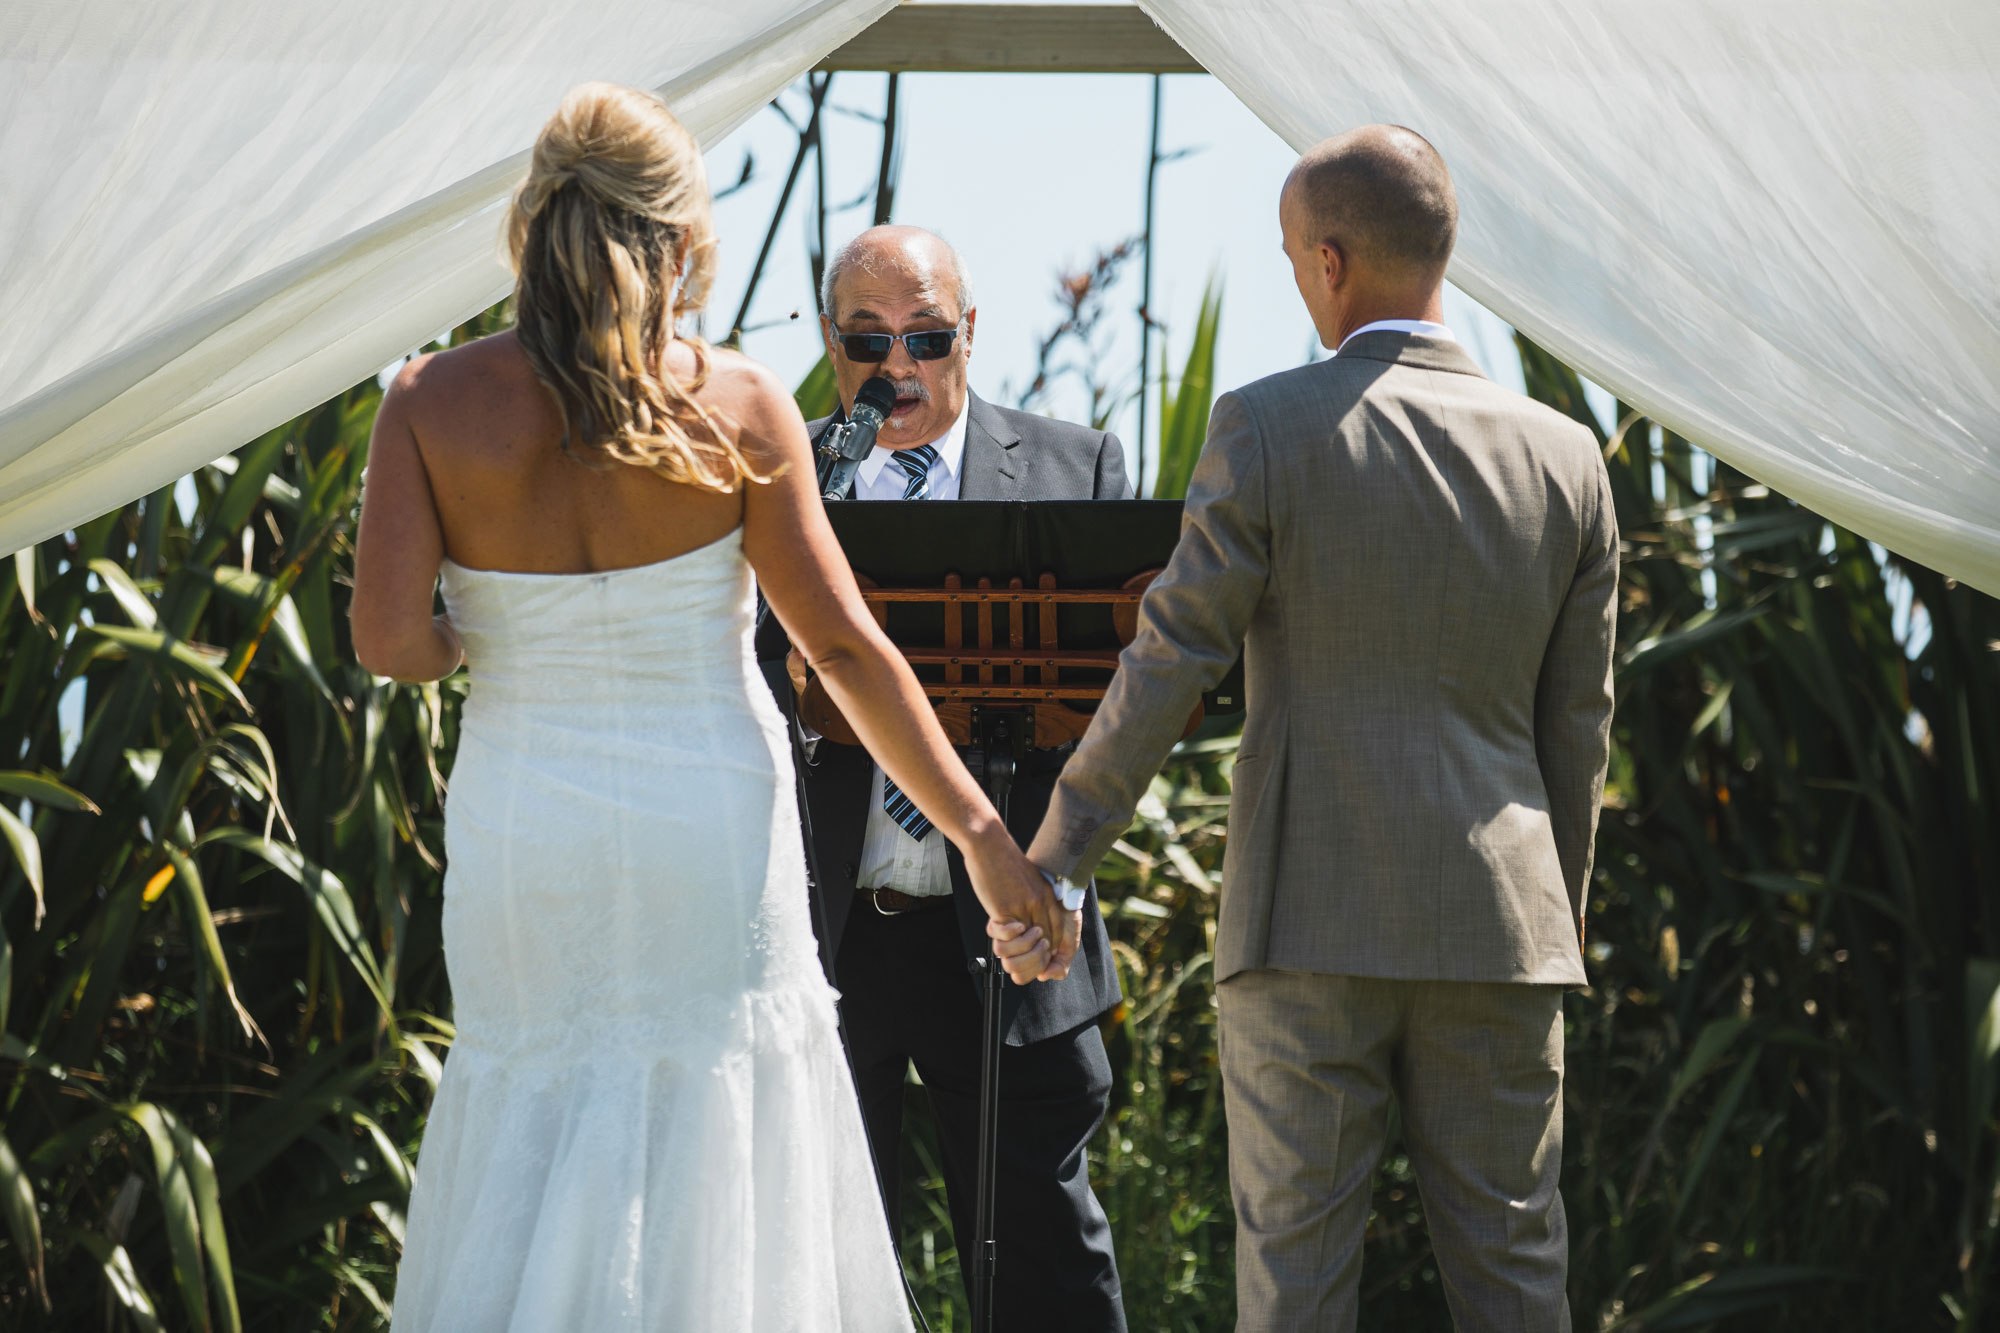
(842, 448)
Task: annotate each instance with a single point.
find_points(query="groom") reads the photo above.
(1421, 567)
(896, 913)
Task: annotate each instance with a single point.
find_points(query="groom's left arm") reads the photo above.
(1191, 627)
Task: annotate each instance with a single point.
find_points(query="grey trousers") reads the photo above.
(1308, 1065)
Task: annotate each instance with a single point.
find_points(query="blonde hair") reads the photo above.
(615, 205)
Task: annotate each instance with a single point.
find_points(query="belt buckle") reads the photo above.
(875, 901)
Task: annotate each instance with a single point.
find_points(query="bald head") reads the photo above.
(900, 281)
(893, 253)
(1382, 195)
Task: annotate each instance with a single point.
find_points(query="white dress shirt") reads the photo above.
(891, 858)
(1429, 328)
(876, 480)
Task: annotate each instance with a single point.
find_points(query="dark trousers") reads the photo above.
(906, 998)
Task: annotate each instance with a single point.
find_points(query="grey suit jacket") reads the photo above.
(1420, 568)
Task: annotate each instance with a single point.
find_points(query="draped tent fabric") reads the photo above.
(1773, 227)
(1770, 226)
(216, 216)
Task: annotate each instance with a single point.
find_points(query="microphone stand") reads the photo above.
(839, 455)
(1003, 732)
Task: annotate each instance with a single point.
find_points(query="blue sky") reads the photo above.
(1030, 174)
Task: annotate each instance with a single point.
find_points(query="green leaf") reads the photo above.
(24, 575)
(1711, 1136)
(28, 851)
(269, 604)
(250, 466)
(1809, 885)
(13, 1048)
(1700, 631)
(818, 394)
(46, 791)
(182, 1215)
(324, 1088)
(1714, 1041)
(163, 646)
(193, 1213)
(1982, 1026)
(24, 1223)
(1184, 412)
(200, 923)
(330, 900)
(392, 1157)
(1713, 1296)
(126, 593)
(1712, 709)
(122, 1280)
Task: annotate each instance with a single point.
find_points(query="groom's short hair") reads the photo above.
(1382, 194)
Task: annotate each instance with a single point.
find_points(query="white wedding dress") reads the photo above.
(646, 1121)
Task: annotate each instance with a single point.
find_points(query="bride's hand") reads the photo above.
(1022, 950)
(1013, 891)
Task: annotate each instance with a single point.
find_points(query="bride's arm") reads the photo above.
(812, 592)
(397, 553)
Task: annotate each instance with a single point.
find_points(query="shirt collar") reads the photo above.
(1429, 328)
(951, 449)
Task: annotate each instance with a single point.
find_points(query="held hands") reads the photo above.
(1033, 936)
(1023, 949)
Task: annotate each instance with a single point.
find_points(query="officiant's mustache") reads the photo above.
(909, 391)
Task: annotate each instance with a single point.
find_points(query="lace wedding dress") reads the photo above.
(646, 1121)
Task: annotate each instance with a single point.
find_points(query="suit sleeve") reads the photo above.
(1191, 627)
(1573, 697)
(1112, 483)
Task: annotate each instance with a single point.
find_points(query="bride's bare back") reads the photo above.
(508, 497)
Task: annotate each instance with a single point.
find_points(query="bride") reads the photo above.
(646, 1121)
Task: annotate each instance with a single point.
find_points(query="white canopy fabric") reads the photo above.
(1772, 226)
(215, 214)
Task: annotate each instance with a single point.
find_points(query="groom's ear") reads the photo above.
(971, 318)
(1333, 263)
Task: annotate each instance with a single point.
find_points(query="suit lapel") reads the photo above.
(993, 468)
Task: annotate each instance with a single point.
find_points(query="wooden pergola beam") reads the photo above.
(988, 38)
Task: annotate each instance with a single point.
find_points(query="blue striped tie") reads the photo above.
(916, 464)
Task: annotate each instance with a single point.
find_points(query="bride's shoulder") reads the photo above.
(479, 366)
(734, 372)
(746, 388)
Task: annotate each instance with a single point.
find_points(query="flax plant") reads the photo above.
(224, 1006)
(220, 975)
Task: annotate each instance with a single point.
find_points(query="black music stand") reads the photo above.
(1012, 615)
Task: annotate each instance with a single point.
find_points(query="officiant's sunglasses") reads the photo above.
(871, 348)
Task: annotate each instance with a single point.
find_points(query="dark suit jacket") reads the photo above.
(1008, 456)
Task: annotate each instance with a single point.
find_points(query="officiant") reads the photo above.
(896, 913)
